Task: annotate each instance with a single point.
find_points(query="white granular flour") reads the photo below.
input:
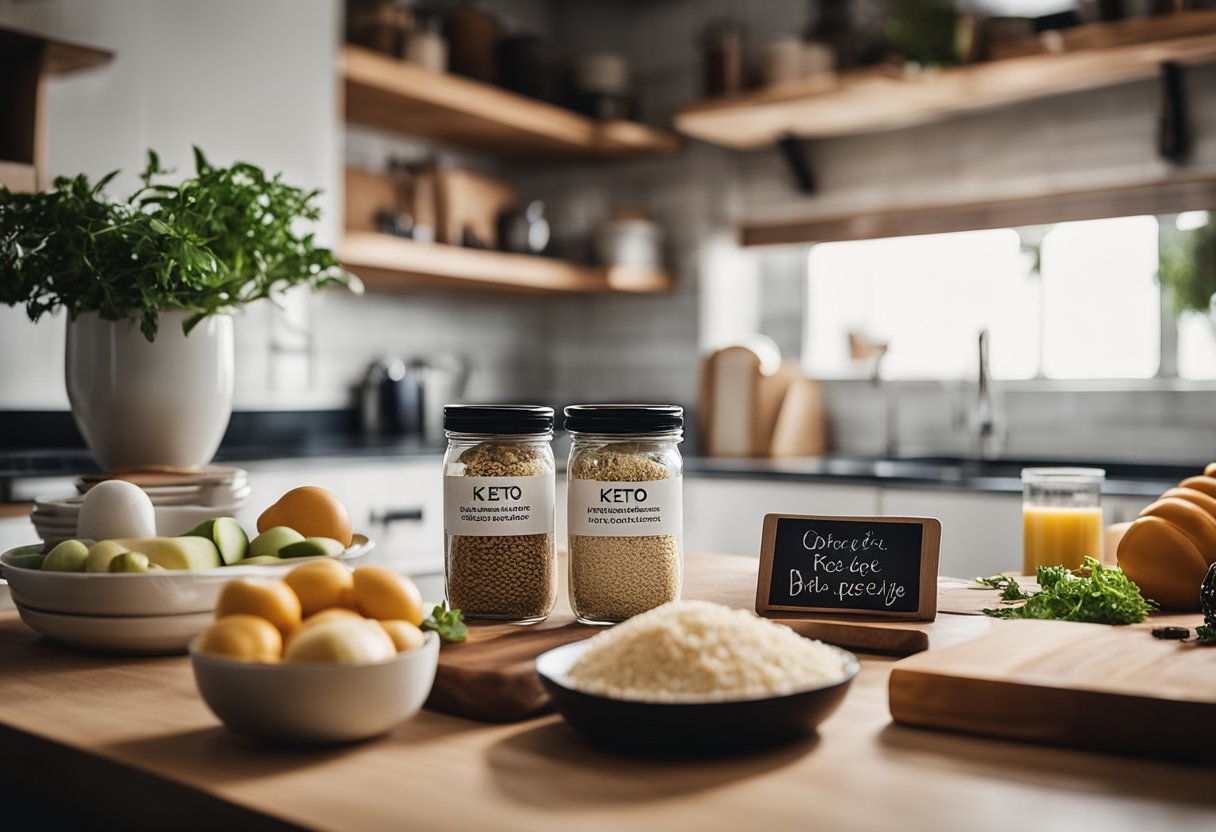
(696, 651)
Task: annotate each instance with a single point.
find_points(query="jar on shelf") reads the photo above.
(625, 509)
(498, 506)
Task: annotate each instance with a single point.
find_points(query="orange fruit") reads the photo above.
(268, 598)
(405, 635)
(386, 595)
(311, 511)
(325, 583)
(246, 638)
(1209, 470)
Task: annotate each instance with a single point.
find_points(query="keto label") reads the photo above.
(494, 506)
(626, 509)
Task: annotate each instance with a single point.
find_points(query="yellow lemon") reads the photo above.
(269, 598)
(345, 640)
(386, 595)
(247, 638)
(320, 584)
(405, 635)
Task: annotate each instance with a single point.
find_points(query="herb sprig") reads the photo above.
(216, 241)
(1094, 593)
(448, 623)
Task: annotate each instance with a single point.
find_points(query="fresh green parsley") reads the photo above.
(1094, 593)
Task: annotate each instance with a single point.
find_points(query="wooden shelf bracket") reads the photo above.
(1174, 128)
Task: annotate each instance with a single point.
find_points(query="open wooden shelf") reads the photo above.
(392, 263)
(876, 99)
(400, 97)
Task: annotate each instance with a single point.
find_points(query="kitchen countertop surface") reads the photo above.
(128, 740)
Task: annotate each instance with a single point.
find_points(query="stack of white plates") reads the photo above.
(181, 499)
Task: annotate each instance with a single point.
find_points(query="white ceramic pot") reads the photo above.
(160, 403)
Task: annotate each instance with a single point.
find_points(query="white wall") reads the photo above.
(254, 81)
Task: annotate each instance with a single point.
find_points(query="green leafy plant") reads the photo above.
(1009, 587)
(216, 241)
(1094, 593)
(448, 623)
(1188, 267)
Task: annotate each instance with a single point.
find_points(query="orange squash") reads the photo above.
(1191, 520)
(1164, 562)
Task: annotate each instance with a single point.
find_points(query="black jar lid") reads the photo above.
(497, 418)
(623, 418)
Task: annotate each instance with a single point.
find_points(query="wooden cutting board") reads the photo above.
(1063, 683)
(491, 676)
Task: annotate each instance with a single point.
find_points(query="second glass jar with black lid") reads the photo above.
(499, 557)
(625, 509)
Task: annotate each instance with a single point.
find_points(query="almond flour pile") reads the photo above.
(696, 651)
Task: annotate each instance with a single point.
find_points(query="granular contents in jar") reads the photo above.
(614, 578)
(512, 576)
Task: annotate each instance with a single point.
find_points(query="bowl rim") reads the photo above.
(360, 545)
(430, 645)
(852, 668)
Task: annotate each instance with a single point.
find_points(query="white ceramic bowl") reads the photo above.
(141, 635)
(316, 703)
(149, 593)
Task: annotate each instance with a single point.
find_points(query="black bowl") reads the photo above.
(688, 729)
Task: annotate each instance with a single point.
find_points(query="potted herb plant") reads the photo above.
(1188, 268)
(148, 284)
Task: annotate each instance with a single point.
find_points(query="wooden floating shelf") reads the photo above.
(59, 57)
(400, 97)
(393, 263)
(875, 99)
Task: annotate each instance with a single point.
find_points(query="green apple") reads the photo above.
(189, 553)
(271, 541)
(313, 547)
(100, 555)
(260, 560)
(130, 562)
(68, 556)
(227, 535)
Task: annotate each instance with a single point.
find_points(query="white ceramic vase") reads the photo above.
(161, 403)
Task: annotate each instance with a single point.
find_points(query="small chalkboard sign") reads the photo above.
(870, 566)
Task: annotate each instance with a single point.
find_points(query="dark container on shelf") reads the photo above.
(532, 66)
(472, 43)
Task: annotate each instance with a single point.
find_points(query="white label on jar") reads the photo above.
(626, 509)
(494, 506)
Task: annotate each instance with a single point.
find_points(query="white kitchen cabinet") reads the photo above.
(396, 502)
(726, 515)
(981, 533)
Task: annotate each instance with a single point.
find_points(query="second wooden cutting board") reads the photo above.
(1064, 683)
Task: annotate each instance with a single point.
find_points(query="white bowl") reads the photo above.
(148, 634)
(140, 594)
(316, 702)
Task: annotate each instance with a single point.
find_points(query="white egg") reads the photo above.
(114, 509)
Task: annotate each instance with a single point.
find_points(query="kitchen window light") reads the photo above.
(1071, 301)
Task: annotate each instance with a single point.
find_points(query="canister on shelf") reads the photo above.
(625, 509)
(498, 487)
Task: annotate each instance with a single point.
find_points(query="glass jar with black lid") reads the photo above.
(625, 509)
(500, 562)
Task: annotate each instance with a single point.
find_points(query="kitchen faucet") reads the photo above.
(985, 423)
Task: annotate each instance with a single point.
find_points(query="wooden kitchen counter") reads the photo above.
(127, 741)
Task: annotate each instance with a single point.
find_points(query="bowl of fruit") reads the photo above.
(321, 655)
(120, 587)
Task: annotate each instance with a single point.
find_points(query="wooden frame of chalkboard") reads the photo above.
(881, 567)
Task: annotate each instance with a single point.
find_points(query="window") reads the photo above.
(1075, 300)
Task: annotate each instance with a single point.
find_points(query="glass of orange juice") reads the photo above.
(1061, 516)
